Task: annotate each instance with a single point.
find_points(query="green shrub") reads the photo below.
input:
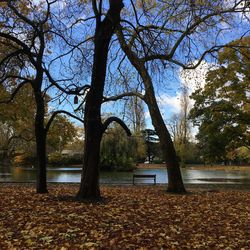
(59, 159)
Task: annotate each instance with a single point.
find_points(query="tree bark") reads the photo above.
(175, 183)
(89, 187)
(40, 135)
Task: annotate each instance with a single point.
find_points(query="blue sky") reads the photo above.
(169, 96)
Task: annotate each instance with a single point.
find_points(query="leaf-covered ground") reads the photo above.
(130, 217)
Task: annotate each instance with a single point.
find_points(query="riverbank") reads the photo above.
(131, 217)
(150, 166)
(196, 167)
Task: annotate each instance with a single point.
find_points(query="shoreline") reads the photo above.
(163, 165)
(196, 167)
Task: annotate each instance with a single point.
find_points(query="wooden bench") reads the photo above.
(144, 176)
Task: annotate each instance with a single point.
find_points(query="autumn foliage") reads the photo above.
(138, 217)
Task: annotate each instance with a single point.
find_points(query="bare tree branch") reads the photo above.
(118, 97)
(23, 45)
(187, 32)
(57, 113)
(48, 11)
(16, 91)
(119, 121)
(76, 91)
(33, 24)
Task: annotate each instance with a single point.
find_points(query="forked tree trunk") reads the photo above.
(89, 187)
(40, 135)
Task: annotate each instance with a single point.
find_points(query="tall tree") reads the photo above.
(169, 33)
(151, 139)
(93, 125)
(221, 108)
(179, 124)
(175, 183)
(135, 114)
(25, 29)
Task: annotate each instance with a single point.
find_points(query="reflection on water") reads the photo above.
(69, 174)
(216, 176)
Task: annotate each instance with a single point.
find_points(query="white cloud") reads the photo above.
(169, 103)
(244, 16)
(61, 4)
(37, 2)
(193, 79)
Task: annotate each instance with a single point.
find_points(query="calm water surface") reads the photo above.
(70, 174)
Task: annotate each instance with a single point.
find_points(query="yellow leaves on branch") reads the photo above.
(146, 4)
(3, 4)
(24, 7)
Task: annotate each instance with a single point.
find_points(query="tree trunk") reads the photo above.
(175, 183)
(40, 135)
(89, 187)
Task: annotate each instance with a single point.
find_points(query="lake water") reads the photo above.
(190, 176)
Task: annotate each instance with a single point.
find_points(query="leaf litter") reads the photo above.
(130, 217)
